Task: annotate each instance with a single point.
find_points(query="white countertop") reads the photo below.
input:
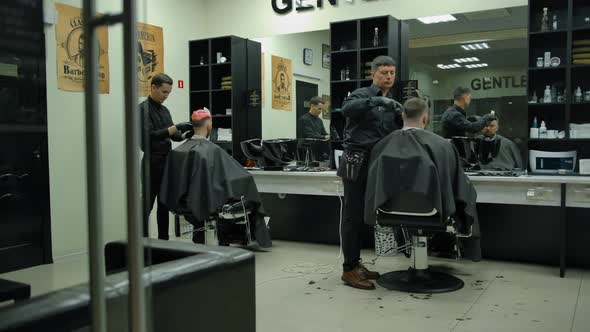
(520, 179)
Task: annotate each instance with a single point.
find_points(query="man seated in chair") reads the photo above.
(388, 179)
(200, 177)
(498, 152)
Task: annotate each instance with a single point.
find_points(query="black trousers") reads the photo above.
(157, 165)
(353, 219)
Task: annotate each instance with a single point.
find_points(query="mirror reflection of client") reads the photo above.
(498, 152)
(310, 124)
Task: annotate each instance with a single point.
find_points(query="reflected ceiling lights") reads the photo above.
(475, 47)
(476, 65)
(463, 60)
(451, 66)
(437, 19)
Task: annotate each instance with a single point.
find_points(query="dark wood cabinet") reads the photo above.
(224, 88)
(354, 45)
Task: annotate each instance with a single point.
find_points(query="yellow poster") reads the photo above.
(69, 35)
(282, 77)
(150, 57)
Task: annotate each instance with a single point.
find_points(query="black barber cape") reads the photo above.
(311, 126)
(437, 169)
(200, 177)
(502, 155)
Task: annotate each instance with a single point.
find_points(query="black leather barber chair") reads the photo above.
(467, 147)
(418, 220)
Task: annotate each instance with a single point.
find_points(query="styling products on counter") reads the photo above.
(539, 62)
(534, 132)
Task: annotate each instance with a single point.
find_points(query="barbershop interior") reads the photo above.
(294, 165)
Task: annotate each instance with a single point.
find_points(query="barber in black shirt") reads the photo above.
(310, 124)
(454, 119)
(371, 114)
(158, 125)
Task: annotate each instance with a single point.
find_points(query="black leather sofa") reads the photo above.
(192, 288)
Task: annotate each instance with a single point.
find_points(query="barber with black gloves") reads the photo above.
(371, 114)
(454, 119)
(157, 123)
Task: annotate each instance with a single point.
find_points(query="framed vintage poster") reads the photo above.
(326, 56)
(282, 81)
(70, 41)
(326, 111)
(150, 57)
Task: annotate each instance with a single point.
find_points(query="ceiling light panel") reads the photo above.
(475, 47)
(437, 19)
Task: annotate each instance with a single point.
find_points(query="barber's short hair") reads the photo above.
(160, 79)
(382, 60)
(460, 92)
(316, 101)
(414, 108)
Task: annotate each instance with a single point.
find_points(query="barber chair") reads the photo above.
(420, 223)
(467, 147)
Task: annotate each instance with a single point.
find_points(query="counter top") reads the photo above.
(474, 178)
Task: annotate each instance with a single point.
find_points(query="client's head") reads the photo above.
(490, 129)
(415, 113)
(202, 123)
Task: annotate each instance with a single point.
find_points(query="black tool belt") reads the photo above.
(351, 164)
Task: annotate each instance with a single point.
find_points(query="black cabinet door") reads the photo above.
(24, 201)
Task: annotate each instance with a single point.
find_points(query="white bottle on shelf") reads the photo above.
(547, 95)
(543, 130)
(578, 97)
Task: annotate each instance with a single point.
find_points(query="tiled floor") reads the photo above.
(299, 289)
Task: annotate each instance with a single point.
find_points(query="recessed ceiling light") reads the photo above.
(475, 47)
(451, 66)
(476, 65)
(437, 19)
(463, 60)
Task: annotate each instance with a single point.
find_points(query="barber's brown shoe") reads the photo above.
(371, 275)
(357, 279)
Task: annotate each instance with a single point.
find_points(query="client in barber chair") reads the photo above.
(498, 152)
(458, 196)
(200, 178)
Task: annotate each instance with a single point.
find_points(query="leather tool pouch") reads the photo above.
(351, 164)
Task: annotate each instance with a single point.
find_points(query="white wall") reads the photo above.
(255, 18)
(181, 20)
(279, 123)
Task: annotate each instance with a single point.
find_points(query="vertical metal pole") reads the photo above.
(95, 235)
(137, 308)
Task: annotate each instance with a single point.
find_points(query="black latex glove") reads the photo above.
(184, 126)
(384, 101)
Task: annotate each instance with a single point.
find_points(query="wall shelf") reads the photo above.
(243, 70)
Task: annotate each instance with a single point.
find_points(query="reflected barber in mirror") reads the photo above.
(158, 126)
(371, 114)
(498, 152)
(454, 119)
(310, 125)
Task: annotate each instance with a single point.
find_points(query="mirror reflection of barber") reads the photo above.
(371, 113)
(454, 119)
(310, 124)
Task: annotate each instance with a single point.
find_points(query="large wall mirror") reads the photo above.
(485, 51)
